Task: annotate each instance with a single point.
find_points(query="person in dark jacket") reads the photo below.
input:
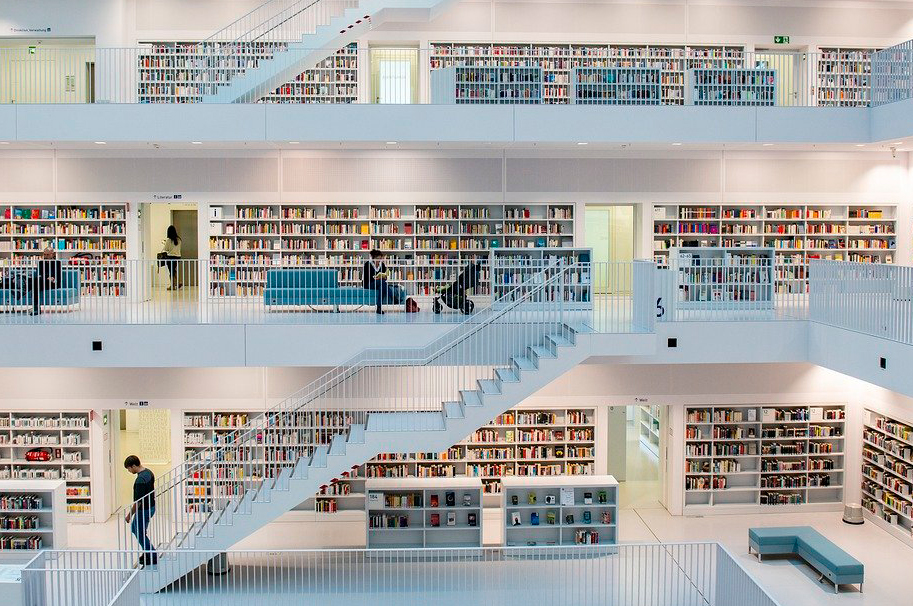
(374, 277)
(140, 513)
(47, 276)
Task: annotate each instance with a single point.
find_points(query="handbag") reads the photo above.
(412, 306)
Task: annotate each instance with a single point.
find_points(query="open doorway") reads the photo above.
(165, 278)
(636, 453)
(792, 74)
(394, 75)
(609, 231)
(146, 433)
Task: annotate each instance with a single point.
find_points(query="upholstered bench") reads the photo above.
(292, 287)
(65, 296)
(821, 554)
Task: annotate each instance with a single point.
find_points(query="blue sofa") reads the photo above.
(67, 295)
(288, 287)
(821, 554)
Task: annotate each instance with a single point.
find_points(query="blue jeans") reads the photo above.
(388, 294)
(138, 527)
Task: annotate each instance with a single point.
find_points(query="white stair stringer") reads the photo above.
(287, 64)
(384, 432)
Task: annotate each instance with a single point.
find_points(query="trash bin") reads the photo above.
(218, 565)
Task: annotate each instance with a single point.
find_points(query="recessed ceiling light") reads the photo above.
(391, 142)
(4, 142)
(899, 143)
(767, 144)
(860, 145)
(294, 142)
(101, 143)
(582, 143)
(676, 144)
(197, 142)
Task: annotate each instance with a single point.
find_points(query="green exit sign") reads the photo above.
(33, 50)
(781, 39)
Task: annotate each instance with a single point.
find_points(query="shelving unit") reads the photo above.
(648, 427)
(891, 73)
(756, 457)
(844, 77)
(75, 230)
(183, 72)
(560, 511)
(486, 85)
(887, 473)
(797, 232)
(31, 517)
(730, 86)
(65, 437)
(723, 278)
(247, 239)
(616, 86)
(432, 512)
(513, 266)
(557, 61)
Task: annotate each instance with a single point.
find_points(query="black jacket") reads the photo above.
(367, 276)
(49, 274)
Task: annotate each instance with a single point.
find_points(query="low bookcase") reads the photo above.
(32, 517)
(560, 511)
(407, 513)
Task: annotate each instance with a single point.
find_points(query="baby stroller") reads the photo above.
(454, 295)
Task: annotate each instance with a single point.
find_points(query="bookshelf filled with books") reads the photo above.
(31, 516)
(426, 244)
(184, 72)
(560, 511)
(887, 473)
(76, 231)
(558, 60)
(616, 86)
(723, 278)
(797, 233)
(486, 85)
(844, 76)
(648, 426)
(50, 445)
(731, 86)
(423, 512)
(763, 457)
(513, 266)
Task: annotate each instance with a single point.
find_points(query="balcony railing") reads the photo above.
(193, 72)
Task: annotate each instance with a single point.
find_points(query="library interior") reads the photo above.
(554, 302)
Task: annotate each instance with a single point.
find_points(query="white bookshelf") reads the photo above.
(184, 72)
(245, 240)
(616, 86)
(891, 73)
(431, 512)
(844, 77)
(487, 85)
(560, 511)
(887, 473)
(730, 86)
(32, 516)
(648, 427)
(797, 232)
(749, 458)
(93, 231)
(65, 436)
(511, 267)
(723, 278)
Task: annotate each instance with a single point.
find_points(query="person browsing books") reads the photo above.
(171, 254)
(374, 277)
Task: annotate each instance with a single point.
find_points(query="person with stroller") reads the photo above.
(374, 277)
(455, 295)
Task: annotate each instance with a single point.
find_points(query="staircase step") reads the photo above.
(338, 445)
(453, 410)
(356, 434)
(580, 327)
(319, 457)
(523, 363)
(282, 479)
(488, 386)
(405, 421)
(559, 340)
(301, 469)
(471, 397)
(541, 352)
(507, 375)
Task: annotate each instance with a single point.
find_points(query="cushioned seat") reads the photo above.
(66, 296)
(312, 286)
(824, 556)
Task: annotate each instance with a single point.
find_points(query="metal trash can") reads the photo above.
(218, 565)
(852, 513)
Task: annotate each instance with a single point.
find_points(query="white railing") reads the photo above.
(80, 579)
(410, 386)
(280, 21)
(673, 574)
(872, 299)
(194, 71)
(892, 74)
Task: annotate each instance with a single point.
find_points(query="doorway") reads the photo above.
(46, 70)
(154, 220)
(790, 68)
(609, 231)
(146, 433)
(394, 75)
(638, 432)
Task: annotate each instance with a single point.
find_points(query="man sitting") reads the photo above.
(47, 276)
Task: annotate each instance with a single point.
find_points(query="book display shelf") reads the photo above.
(62, 439)
(616, 86)
(723, 278)
(433, 512)
(844, 77)
(183, 72)
(648, 425)
(478, 85)
(31, 517)
(755, 457)
(558, 60)
(891, 74)
(75, 230)
(887, 473)
(731, 86)
(511, 267)
(560, 511)
(247, 239)
(797, 232)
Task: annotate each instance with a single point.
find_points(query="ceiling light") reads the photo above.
(767, 144)
(101, 143)
(582, 143)
(676, 144)
(4, 142)
(294, 142)
(860, 145)
(899, 143)
(197, 142)
(391, 142)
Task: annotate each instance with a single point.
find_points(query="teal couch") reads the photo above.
(67, 295)
(291, 287)
(833, 563)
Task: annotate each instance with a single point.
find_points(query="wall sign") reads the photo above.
(30, 30)
(167, 196)
(137, 403)
(781, 39)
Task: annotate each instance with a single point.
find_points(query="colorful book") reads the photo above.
(434, 501)
(473, 520)
(587, 517)
(534, 518)
(515, 518)
(451, 518)
(550, 518)
(450, 498)
(435, 519)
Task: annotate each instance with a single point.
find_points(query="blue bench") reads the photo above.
(67, 295)
(821, 554)
(290, 287)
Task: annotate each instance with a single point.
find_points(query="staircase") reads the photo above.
(304, 33)
(428, 398)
